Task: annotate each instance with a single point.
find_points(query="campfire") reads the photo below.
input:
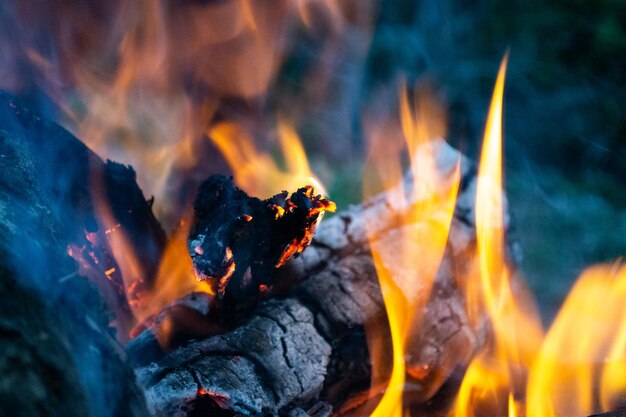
(241, 287)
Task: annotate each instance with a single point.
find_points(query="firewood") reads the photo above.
(238, 242)
(309, 345)
(58, 355)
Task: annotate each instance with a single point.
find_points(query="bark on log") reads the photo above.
(58, 355)
(306, 353)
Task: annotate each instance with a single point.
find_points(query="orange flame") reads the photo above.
(143, 84)
(407, 266)
(258, 173)
(254, 171)
(131, 101)
(175, 277)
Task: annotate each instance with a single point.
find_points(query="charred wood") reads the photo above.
(58, 355)
(239, 242)
(309, 344)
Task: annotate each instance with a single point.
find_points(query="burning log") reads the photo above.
(307, 350)
(57, 353)
(238, 242)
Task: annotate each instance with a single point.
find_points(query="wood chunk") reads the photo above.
(275, 359)
(237, 242)
(58, 355)
(50, 177)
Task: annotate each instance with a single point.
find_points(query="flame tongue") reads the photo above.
(493, 376)
(239, 241)
(256, 172)
(580, 367)
(408, 259)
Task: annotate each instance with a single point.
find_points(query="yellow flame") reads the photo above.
(407, 266)
(399, 317)
(586, 338)
(613, 380)
(515, 324)
(579, 367)
(512, 407)
(258, 173)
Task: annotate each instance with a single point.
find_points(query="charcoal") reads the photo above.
(238, 242)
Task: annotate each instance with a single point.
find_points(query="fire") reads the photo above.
(257, 172)
(494, 381)
(148, 295)
(498, 371)
(144, 94)
(175, 277)
(147, 92)
(580, 367)
(407, 269)
(141, 82)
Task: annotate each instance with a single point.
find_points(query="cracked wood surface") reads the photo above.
(306, 353)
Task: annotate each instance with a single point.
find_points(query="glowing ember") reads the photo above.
(238, 241)
(230, 270)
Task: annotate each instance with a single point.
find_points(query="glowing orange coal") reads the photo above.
(175, 277)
